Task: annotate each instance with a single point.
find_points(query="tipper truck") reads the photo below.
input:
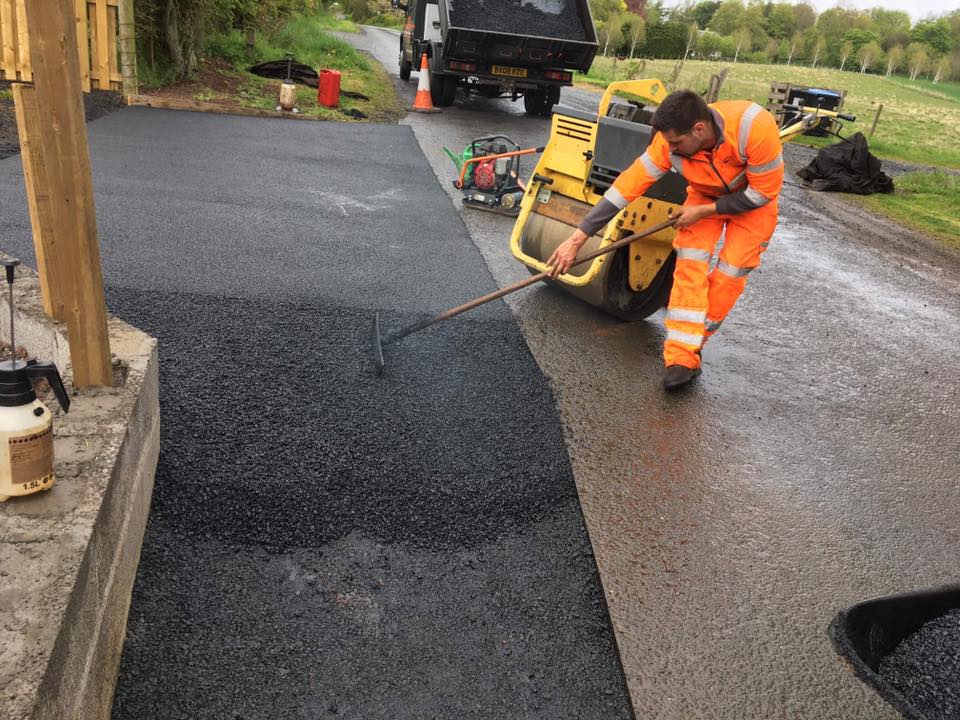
(498, 48)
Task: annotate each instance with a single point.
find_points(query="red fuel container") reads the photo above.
(328, 91)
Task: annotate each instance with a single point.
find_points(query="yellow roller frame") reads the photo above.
(566, 161)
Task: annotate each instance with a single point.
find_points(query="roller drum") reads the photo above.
(609, 290)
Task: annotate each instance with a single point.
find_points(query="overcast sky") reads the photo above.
(918, 9)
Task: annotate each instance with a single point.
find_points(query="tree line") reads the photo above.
(174, 33)
(876, 40)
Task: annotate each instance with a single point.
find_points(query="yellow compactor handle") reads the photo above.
(649, 89)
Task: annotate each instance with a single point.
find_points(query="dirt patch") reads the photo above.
(214, 81)
(217, 82)
(909, 246)
(95, 104)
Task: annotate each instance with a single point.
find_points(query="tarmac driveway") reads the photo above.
(323, 542)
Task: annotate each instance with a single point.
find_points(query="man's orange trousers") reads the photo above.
(701, 298)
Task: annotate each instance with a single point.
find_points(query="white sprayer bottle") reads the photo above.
(26, 424)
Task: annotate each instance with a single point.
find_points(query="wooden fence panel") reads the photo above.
(83, 43)
(97, 43)
(23, 46)
(112, 22)
(8, 34)
(105, 44)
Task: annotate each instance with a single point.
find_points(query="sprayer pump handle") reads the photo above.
(10, 264)
(48, 371)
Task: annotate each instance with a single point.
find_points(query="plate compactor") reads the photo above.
(489, 174)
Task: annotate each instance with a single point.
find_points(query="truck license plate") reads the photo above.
(508, 71)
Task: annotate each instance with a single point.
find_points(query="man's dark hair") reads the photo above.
(680, 111)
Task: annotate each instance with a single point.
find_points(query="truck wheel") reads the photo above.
(534, 101)
(405, 67)
(443, 90)
(553, 97)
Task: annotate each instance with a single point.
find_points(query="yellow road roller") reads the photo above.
(585, 154)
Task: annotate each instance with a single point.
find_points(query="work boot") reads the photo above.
(676, 376)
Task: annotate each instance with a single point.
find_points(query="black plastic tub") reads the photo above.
(869, 635)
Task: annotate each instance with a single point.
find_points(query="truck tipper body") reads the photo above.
(512, 48)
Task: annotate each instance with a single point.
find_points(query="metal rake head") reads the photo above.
(377, 346)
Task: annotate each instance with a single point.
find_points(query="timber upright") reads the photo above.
(59, 187)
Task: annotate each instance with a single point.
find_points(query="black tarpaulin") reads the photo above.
(849, 167)
(279, 69)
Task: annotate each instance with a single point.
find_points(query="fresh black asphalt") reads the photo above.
(544, 18)
(324, 543)
(925, 668)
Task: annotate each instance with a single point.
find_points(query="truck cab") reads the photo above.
(421, 27)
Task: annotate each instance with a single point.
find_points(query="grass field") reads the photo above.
(929, 202)
(920, 122)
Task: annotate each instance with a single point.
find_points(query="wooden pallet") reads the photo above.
(779, 92)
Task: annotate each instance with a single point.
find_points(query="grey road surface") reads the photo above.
(813, 465)
(323, 542)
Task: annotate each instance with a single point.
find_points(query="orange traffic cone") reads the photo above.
(424, 102)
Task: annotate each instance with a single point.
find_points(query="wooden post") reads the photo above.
(875, 121)
(39, 192)
(61, 128)
(128, 48)
(713, 88)
(104, 46)
(676, 73)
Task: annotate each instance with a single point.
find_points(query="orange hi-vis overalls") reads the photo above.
(743, 174)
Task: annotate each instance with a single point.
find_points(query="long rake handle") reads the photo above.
(447, 314)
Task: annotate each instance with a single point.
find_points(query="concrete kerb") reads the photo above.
(68, 556)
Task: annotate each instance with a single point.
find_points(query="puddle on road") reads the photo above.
(858, 273)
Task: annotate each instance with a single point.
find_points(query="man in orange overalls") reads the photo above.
(730, 154)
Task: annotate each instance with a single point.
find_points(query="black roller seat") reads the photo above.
(619, 143)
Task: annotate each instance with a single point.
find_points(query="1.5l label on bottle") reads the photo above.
(31, 457)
